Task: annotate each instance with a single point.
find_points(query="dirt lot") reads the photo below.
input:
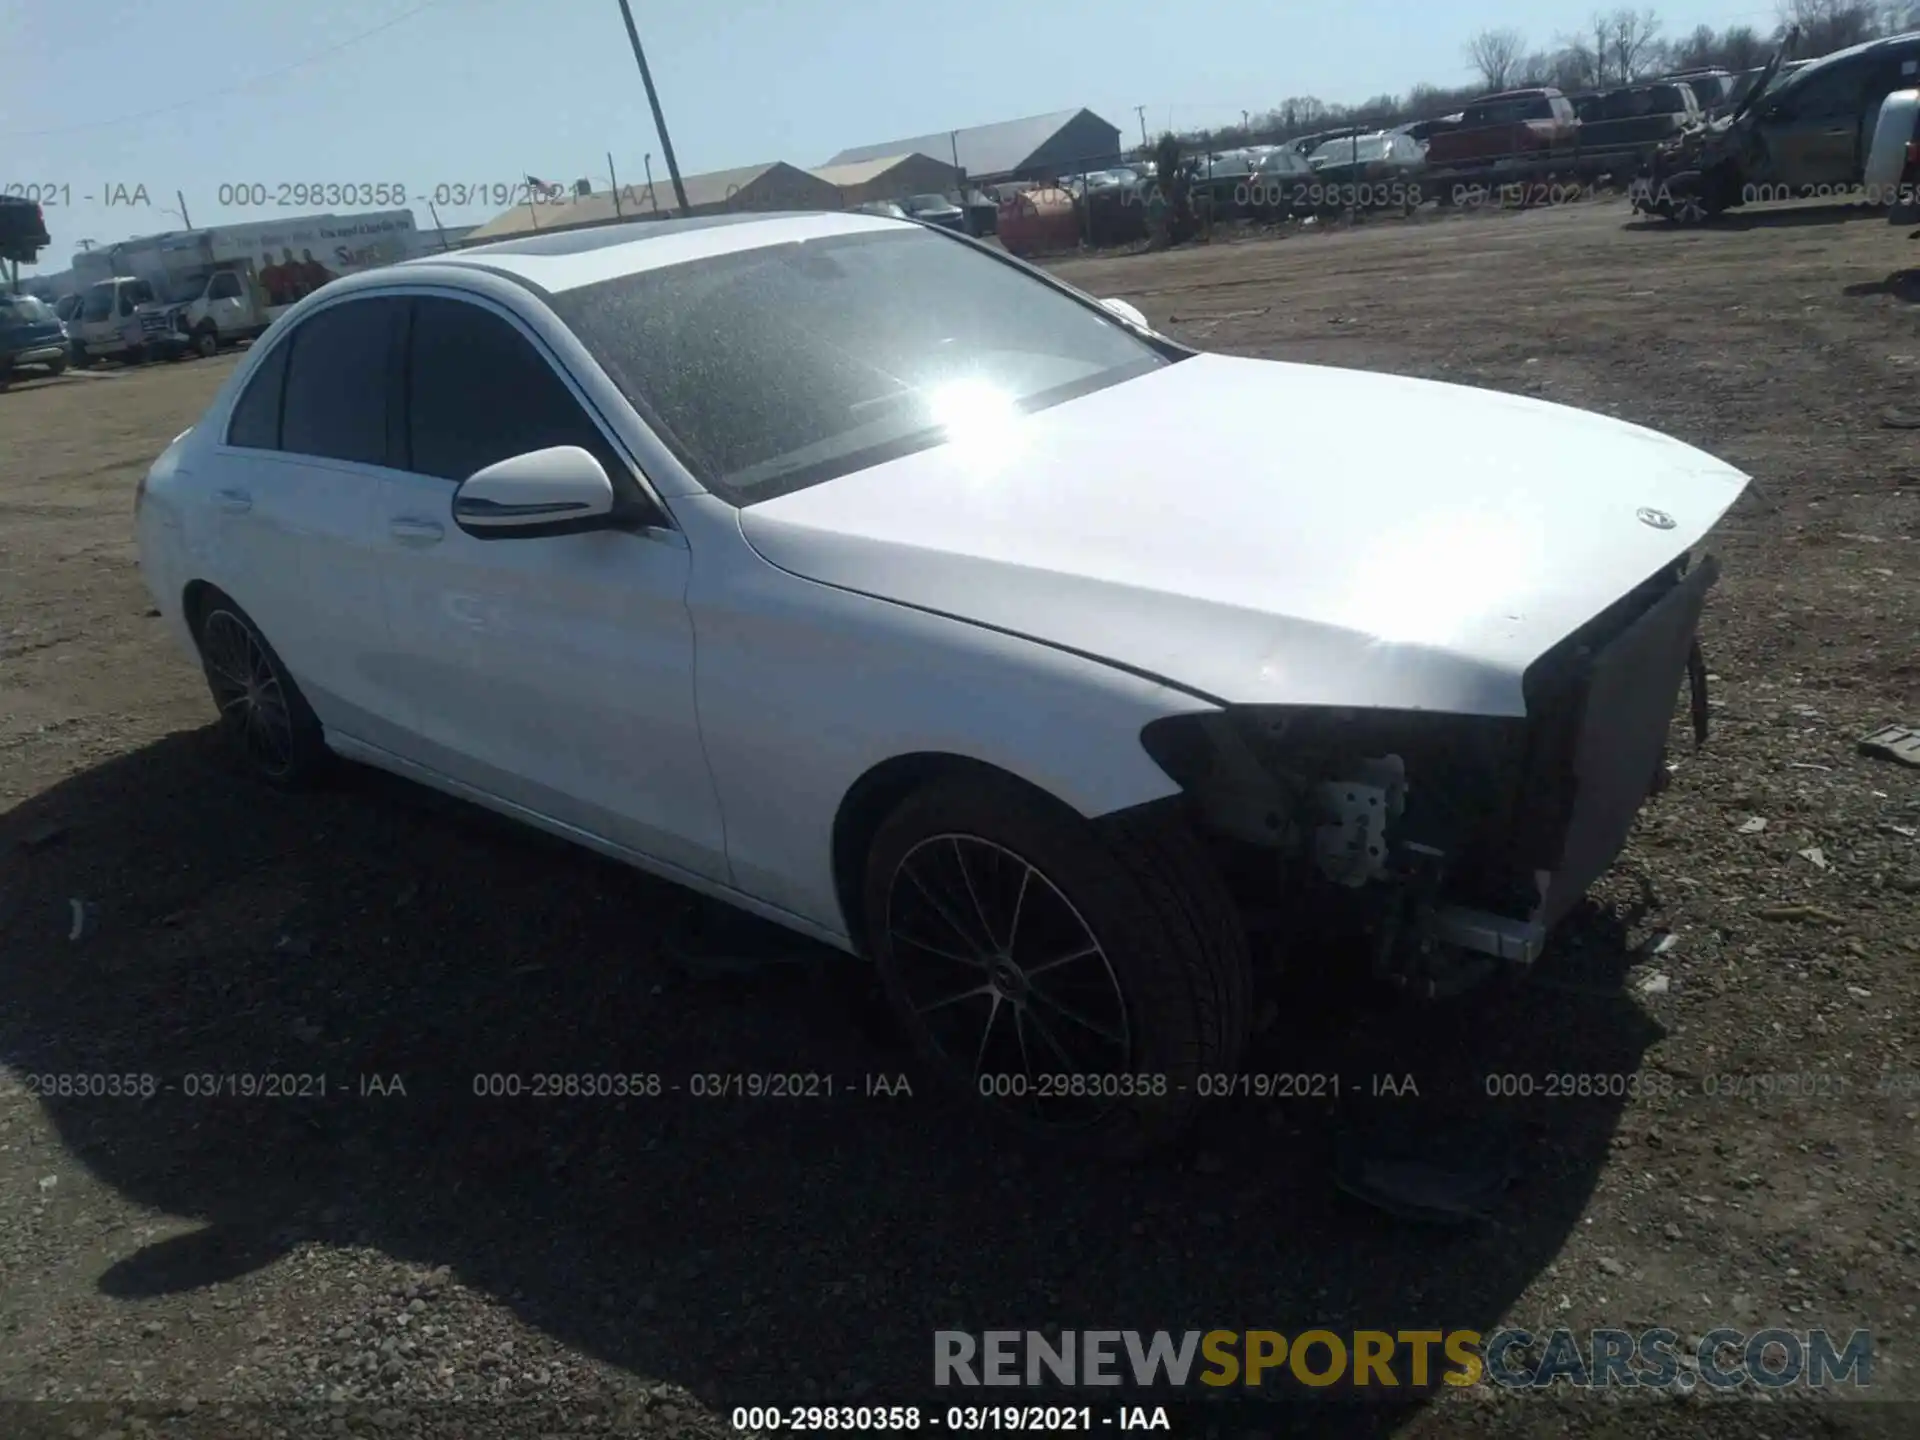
(454, 1265)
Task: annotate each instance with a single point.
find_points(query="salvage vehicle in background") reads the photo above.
(822, 564)
(30, 335)
(935, 210)
(1716, 90)
(222, 307)
(1369, 172)
(1511, 130)
(1798, 136)
(123, 319)
(1622, 127)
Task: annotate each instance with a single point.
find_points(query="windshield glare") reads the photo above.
(26, 309)
(1367, 147)
(788, 365)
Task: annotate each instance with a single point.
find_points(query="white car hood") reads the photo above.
(1269, 533)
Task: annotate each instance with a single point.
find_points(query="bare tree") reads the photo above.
(1496, 54)
(1702, 47)
(1741, 48)
(1829, 25)
(1632, 37)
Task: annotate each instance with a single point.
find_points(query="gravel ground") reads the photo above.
(400, 1255)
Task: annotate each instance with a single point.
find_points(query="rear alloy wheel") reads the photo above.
(1077, 978)
(267, 721)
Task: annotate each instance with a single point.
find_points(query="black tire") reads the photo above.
(1167, 1004)
(206, 342)
(268, 725)
(57, 366)
(134, 355)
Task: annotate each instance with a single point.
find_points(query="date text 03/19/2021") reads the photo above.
(770, 1420)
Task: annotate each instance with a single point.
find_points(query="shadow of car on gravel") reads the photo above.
(1785, 218)
(744, 1248)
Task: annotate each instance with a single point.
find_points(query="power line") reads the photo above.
(204, 96)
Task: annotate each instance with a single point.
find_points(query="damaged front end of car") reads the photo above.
(1704, 171)
(1696, 175)
(1449, 845)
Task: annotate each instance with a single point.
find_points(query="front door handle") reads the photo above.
(234, 502)
(412, 530)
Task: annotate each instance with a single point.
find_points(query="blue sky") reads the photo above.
(471, 91)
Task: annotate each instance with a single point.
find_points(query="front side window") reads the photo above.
(225, 286)
(99, 302)
(337, 382)
(1821, 94)
(788, 365)
(478, 392)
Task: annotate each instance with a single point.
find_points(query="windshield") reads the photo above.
(1365, 147)
(99, 301)
(788, 365)
(25, 310)
(929, 202)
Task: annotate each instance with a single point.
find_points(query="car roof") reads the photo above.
(566, 259)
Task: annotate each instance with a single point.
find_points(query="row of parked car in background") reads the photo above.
(1787, 129)
(1692, 145)
(126, 319)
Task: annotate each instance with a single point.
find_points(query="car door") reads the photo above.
(1812, 132)
(294, 484)
(226, 303)
(554, 673)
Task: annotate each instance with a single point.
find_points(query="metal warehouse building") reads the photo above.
(1037, 148)
(889, 177)
(775, 186)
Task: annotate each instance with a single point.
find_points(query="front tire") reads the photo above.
(206, 343)
(268, 724)
(1077, 978)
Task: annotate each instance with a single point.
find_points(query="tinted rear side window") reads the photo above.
(479, 392)
(256, 418)
(338, 381)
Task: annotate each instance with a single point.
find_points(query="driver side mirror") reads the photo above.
(561, 490)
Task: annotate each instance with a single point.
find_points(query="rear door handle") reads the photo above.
(234, 502)
(412, 530)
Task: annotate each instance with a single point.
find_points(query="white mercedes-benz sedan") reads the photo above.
(852, 572)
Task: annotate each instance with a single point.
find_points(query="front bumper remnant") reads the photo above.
(1619, 707)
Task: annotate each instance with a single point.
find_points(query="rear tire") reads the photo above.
(1075, 978)
(269, 727)
(57, 366)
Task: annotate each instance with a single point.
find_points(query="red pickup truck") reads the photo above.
(1521, 126)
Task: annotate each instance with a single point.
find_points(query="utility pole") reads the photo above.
(652, 199)
(653, 99)
(1141, 111)
(183, 209)
(614, 180)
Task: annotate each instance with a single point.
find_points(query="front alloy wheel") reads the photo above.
(1077, 978)
(1008, 980)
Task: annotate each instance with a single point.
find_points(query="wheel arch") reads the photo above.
(194, 600)
(877, 793)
